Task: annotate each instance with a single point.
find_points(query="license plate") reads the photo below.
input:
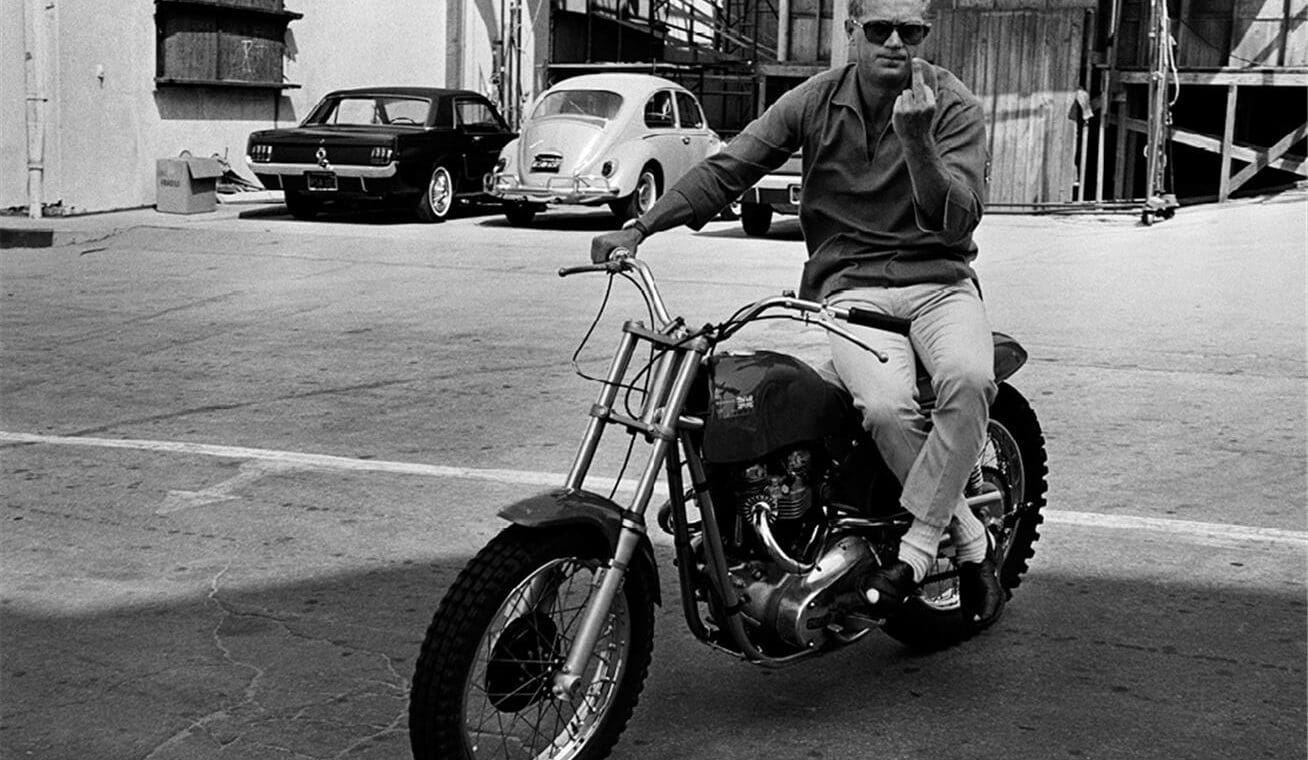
(546, 163)
(320, 180)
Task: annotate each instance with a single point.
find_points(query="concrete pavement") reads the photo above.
(181, 579)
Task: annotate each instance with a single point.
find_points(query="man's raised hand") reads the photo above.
(915, 107)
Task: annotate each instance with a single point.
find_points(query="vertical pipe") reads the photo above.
(1106, 98)
(35, 56)
(783, 30)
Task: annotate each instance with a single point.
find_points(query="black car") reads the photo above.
(419, 145)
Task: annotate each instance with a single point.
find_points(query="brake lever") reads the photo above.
(828, 325)
(617, 262)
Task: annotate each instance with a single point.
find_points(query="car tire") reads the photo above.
(519, 214)
(641, 199)
(301, 205)
(755, 218)
(437, 199)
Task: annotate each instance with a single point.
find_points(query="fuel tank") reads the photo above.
(761, 401)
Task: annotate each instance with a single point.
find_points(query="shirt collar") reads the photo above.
(846, 92)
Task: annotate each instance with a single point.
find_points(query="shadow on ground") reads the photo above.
(320, 668)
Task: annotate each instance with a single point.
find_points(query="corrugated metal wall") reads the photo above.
(1025, 66)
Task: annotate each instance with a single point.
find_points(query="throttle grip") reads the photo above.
(875, 319)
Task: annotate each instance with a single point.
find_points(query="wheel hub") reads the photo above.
(518, 674)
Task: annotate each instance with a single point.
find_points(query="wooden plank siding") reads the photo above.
(1024, 65)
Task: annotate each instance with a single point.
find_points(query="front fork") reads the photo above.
(672, 376)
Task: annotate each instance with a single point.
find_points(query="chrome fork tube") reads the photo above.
(684, 364)
(595, 428)
(567, 680)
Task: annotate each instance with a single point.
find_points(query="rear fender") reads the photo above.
(566, 507)
(1009, 356)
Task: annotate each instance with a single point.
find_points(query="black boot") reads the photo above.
(893, 583)
(980, 595)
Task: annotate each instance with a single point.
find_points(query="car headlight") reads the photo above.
(502, 163)
(261, 153)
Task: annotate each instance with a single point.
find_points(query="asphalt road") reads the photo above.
(243, 457)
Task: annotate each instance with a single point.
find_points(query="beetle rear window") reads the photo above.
(596, 104)
(370, 110)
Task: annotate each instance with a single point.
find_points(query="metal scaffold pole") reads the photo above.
(1158, 202)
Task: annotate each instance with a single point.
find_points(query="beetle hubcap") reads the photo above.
(646, 191)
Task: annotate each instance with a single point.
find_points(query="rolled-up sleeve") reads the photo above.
(960, 137)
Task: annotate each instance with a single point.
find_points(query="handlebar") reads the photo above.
(621, 261)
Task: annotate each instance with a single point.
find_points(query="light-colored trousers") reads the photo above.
(951, 335)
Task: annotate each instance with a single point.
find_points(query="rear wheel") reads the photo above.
(482, 685)
(519, 214)
(435, 203)
(755, 218)
(301, 205)
(1013, 462)
(641, 199)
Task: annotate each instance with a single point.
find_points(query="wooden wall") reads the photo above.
(1219, 33)
(1025, 65)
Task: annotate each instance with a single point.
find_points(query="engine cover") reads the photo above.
(788, 603)
(764, 400)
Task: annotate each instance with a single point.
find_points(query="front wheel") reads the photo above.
(482, 684)
(1012, 462)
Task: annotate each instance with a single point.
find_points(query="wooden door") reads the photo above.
(1025, 66)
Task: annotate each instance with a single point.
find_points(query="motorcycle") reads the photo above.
(541, 646)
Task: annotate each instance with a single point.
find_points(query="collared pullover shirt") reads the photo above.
(860, 221)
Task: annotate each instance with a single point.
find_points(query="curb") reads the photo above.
(26, 237)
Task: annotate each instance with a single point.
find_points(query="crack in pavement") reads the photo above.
(251, 688)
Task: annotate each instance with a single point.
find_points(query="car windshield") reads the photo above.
(367, 110)
(595, 104)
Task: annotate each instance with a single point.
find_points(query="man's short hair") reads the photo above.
(855, 8)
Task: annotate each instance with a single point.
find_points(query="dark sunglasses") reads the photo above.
(877, 32)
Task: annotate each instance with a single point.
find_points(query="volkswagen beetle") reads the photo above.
(602, 139)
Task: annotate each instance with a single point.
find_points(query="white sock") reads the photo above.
(969, 536)
(918, 548)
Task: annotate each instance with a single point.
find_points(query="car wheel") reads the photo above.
(641, 199)
(755, 218)
(434, 205)
(301, 205)
(519, 214)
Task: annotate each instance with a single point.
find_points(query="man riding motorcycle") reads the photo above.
(894, 162)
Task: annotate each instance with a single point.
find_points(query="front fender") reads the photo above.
(566, 507)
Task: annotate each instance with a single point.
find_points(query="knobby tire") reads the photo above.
(441, 678)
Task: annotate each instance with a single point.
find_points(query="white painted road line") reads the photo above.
(1202, 531)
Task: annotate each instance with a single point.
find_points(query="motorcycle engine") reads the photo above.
(783, 483)
(787, 485)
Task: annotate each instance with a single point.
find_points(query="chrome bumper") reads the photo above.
(295, 170)
(583, 189)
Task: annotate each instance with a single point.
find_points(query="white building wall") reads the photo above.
(107, 121)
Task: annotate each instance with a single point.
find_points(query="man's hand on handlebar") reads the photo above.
(603, 246)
